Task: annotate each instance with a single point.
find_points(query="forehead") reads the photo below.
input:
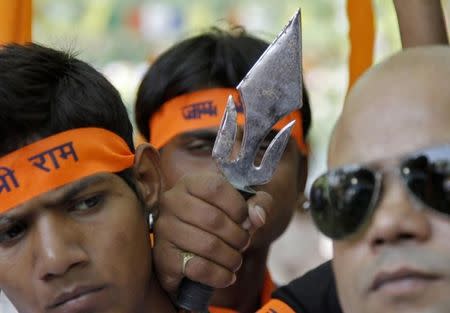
(390, 116)
(60, 196)
(200, 132)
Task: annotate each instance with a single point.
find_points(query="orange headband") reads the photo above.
(204, 109)
(57, 160)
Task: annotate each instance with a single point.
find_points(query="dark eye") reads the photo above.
(88, 203)
(11, 233)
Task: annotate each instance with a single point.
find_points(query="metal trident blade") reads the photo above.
(270, 90)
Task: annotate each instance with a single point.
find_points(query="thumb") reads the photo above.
(259, 206)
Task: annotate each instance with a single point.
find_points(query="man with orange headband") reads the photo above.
(179, 108)
(78, 202)
(193, 75)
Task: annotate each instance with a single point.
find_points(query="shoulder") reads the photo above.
(314, 292)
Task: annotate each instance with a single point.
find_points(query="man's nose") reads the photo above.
(396, 219)
(57, 247)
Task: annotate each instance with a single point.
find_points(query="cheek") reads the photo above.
(177, 164)
(441, 231)
(347, 277)
(123, 255)
(284, 189)
(15, 282)
(284, 186)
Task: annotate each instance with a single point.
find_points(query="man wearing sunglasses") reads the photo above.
(385, 201)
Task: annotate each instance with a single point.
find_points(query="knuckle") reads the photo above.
(211, 245)
(239, 211)
(214, 220)
(214, 184)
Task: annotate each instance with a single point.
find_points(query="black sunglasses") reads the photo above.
(343, 200)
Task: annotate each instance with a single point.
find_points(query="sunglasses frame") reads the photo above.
(376, 195)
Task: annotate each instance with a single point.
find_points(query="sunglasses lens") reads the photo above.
(341, 200)
(427, 176)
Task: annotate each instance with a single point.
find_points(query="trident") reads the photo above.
(269, 91)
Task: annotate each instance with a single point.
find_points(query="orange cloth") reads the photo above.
(266, 294)
(362, 37)
(15, 21)
(276, 306)
(268, 288)
(59, 159)
(204, 109)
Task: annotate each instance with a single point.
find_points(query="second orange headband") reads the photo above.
(204, 109)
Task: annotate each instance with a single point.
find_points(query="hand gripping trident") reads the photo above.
(270, 90)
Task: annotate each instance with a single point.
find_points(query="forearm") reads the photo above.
(421, 22)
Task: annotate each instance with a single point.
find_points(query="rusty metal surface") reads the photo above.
(270, 90)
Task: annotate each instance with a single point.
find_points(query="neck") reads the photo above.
(156, 300)
(250, 282)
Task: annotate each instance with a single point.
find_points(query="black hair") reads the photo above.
(44, 91)
(214, 59)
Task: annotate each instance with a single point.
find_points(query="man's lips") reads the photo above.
(402, 275)
(72, 294)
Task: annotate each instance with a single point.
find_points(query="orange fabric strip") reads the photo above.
(362, 37)
(15, 21)
(204, 109)
(268, 288)
(276, 306)
(57, 160)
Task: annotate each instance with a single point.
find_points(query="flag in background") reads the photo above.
(15, 21)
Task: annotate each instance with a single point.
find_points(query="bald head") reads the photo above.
(400, 105)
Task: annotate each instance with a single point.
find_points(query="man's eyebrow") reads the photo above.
(211, 135)
(68, 193)
(75, 188)
(201, 134)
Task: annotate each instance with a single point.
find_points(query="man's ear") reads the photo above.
(147, 173)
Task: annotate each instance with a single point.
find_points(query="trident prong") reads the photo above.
(226, 136)
(271, 90)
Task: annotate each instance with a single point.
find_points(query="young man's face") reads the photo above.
(190, 152)
(400, 260)
(80, 248)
